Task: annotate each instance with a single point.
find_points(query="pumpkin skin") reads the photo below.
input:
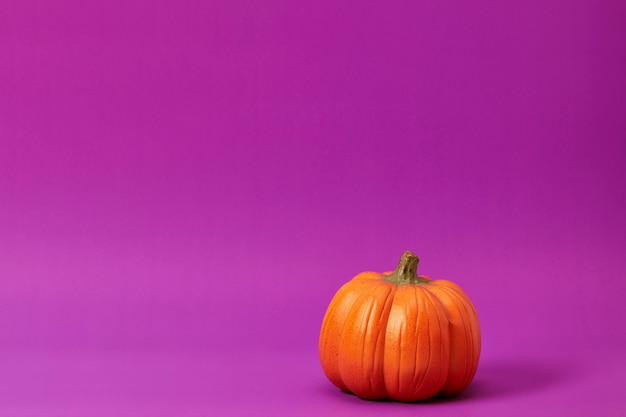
(400, 336)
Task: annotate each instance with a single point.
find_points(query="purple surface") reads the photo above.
(184, 185)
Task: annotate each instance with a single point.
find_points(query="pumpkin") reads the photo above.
(400, 336)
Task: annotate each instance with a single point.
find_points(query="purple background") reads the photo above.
(185, 184)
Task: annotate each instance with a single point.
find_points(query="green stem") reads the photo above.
(406, 271)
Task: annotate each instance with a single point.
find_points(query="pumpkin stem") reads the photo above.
(406, 271)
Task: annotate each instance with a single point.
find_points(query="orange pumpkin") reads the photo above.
(400, 336)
